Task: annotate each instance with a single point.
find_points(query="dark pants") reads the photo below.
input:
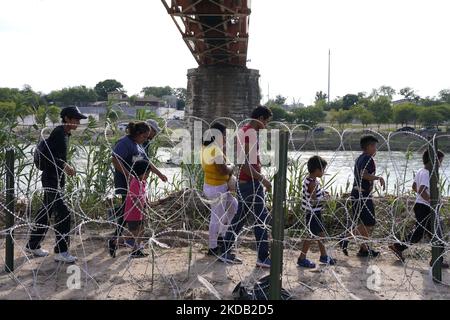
(119, 218)
(422, 226)
(363, 209)
(251, 202)
(53, 203)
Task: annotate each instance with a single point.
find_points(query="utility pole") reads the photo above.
(329, 74)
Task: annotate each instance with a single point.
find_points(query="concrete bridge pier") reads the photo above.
(221, 91)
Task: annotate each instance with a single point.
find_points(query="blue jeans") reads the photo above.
(251, 202)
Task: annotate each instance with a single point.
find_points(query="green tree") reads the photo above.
(181, 94)
(404, 113)
(320, 95)
(430, 116)
(41, 115)
(8, 94)
(103, 87)
(279, 114)
(72, 96)
(341, 116)
(444, 95)
(362, 114)
(349, 100)
(10, 111)
(310, 116)
(280, 100)
(53, 113)
(381, 109)
(158, 92)
(386, 91)
(409, 94)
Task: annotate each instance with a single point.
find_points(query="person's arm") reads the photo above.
(156, 171)
(312, 191)
(222, 166)
(58, 147)
(414, 187)
(117, 164)
(365, 175)
(423, 192)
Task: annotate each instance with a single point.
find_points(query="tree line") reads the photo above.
(16, 102)
(377, 107)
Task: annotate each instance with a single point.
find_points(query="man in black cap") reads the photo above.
(53, 180)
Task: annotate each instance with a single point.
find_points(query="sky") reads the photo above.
(52, 44)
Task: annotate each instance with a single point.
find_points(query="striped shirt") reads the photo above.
(308, 204)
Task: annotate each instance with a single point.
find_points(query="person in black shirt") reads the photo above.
(361, 196)
(53, 182)
(127, 151)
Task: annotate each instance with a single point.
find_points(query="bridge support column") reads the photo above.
(221, 91)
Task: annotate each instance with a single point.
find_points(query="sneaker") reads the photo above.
(214, 252)
(327, 260)
(264, 263)
(230, 258)
(138, 254)
(305, 263)
(398, 253)
(368, 253)
(112, 247)
(65, 257)
(37, 252)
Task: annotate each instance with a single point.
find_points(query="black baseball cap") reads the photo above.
(72, 112)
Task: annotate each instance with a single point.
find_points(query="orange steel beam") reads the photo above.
(215, 31)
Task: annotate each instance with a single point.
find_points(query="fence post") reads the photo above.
(436, 241)
(10, 201)
(279, 204)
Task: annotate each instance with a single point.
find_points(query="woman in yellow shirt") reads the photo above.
(216, 186)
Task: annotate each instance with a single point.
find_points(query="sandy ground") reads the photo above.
(170, 276)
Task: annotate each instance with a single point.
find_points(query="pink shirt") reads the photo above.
(137, 192)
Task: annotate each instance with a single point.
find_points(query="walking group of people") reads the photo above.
(235, 194)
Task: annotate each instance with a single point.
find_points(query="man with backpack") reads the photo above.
(51, 158)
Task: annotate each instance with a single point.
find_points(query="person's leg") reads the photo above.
(138, 233)
(230, 211)
(244, 191)
(261, 220)
(62, 224)
(213, 194)
(305, 248)
(42, 219)
(368, 222)
(422, 214)
(323, 250)
(363, 231)
(118, 239)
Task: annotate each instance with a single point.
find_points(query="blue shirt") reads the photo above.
(127, 152)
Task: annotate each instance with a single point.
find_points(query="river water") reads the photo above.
(397, 170)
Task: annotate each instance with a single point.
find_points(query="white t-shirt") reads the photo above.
(422, 179)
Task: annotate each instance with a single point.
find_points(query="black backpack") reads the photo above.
(260, 291)
(40, 155)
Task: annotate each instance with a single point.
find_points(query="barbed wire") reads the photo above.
(176, 231)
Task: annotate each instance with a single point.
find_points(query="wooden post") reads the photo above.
(9, 248)
(436, 242)
(279, 204)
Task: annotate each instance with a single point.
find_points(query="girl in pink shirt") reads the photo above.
(136, 203)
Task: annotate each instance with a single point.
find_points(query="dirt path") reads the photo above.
(173, 278)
